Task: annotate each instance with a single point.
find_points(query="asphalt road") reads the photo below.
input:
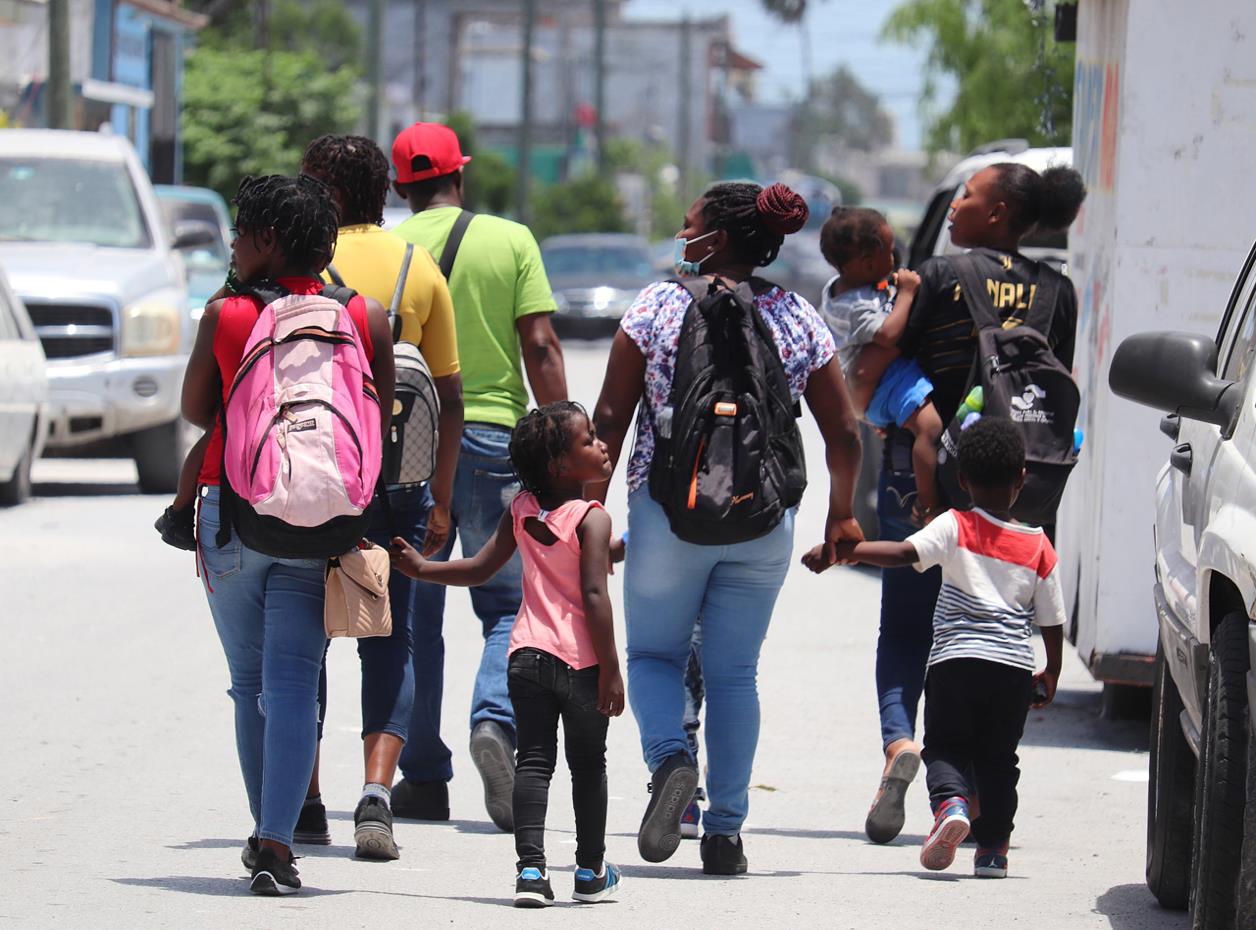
(123, 805)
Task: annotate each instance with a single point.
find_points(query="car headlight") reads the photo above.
(611, 301)
(151, 327)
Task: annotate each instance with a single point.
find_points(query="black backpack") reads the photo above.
(728, 457)
(1021, 380)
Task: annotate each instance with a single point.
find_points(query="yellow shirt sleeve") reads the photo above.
(427, 317)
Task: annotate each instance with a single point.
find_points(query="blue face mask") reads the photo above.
(684, 267)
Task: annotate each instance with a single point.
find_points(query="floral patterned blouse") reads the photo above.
(653, 324)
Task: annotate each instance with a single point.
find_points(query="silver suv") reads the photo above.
(1201, 803)
(86, 250)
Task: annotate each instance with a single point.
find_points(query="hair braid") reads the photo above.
(357, 170)
(756, 219)
(538, 441)
(298, 209)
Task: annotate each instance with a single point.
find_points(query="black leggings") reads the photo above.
(974, 718)
(544, 689)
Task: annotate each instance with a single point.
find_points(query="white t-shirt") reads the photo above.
(998, 579)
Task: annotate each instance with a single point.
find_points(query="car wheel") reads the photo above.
(159, 452)
(1246, 905)
(18, 488)
(1170, 795)
(1221, 791)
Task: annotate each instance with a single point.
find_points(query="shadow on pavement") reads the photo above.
(215, 887)
(84, 489)
(903, 839)
(1073, 721)
(1131, 907)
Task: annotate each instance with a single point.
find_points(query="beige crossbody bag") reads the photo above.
(357, 594)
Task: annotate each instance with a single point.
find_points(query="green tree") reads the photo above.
(1010, 78)
(841, 110)
(490, 178)
(585, 204)
(253, 112)
(789, 11)
(322, 26)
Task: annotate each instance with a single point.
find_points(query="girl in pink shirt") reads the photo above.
(563, 662)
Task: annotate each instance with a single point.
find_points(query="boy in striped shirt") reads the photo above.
(999, 578)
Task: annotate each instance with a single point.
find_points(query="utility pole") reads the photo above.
(599, 83)
(419, 91)
(686, 106)
(59, 89)
(525, 113)
(375, 67)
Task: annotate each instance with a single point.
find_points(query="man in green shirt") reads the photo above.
(502, 305)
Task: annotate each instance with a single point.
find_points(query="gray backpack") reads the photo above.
(410, 446)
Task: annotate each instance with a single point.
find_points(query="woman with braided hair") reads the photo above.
(729, 231)
(268, 611)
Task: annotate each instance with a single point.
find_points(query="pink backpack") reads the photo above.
(301, 429)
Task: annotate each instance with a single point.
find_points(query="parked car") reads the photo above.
(23, 398)
(192, 214)
(1201, 803)
(595, 277)
(87, 251)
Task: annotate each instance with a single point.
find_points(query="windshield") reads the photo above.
(70, 200)
(619, 260)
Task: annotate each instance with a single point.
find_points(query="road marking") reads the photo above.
(1132, 775)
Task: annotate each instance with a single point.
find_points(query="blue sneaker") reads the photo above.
(990, 863)
(593, 886)
(532, 888)
(691, 821)
(950, 826)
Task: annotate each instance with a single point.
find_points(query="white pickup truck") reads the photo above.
(87, 251)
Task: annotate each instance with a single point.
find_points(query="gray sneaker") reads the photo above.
(494, 757)
(671, 790)
(886, 816)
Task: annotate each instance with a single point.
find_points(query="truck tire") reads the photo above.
(159, 453)
(1246, 907)
(1221, 791)
(18, 488)
(1170, 795)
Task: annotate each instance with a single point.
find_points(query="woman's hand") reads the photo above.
(405, 558)
(618, 551)
(840, 530)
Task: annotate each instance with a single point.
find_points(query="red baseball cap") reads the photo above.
(426, 150)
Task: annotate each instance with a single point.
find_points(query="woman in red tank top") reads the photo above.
(269, 611)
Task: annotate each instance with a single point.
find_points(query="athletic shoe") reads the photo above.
(691, 821)
(373, 830)
(671, 790)
(886, 816)
(311, 829)
(723, 855)
(420, 800)
(532, 888)
(990, 863)
(177, 528)
(950, 826)
(248, 855)
(494, 756)
(594, 886)
(272, 876)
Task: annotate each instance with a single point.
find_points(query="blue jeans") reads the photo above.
(269, 617)
(668, 584)
(483, 489)
(907, 600)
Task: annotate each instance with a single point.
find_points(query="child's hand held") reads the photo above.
(404, 558)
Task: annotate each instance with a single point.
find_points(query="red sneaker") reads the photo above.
(950, 827)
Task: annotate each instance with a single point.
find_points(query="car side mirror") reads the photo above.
(1176, 373)
(193, 234)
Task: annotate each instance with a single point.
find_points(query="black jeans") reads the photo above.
(544, 689)
(974, 718)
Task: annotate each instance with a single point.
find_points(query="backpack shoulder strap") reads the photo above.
(698, 288)
(335, 276)
(394, 305)
(976, 298)
(339, 293)
(449, 254)
(267, 292)
(1042, 309)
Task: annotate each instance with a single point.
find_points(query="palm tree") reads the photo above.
(790, 11)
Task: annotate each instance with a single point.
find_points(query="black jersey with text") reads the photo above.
(940, 332)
